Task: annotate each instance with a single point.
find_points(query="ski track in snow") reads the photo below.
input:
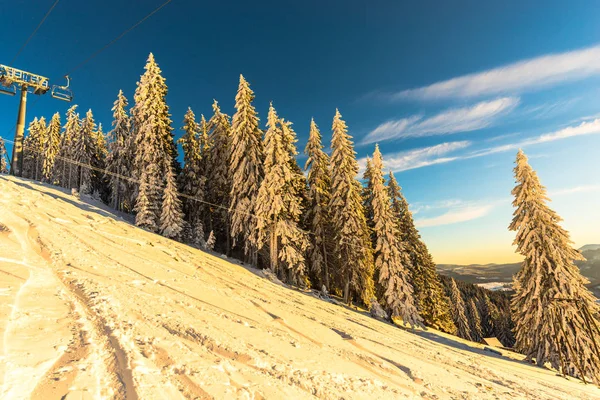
(93, 307)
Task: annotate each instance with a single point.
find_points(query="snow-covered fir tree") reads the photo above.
(353, 254)
(51, 147)
(431, 299)
(245, 170)
(65, 171)
(218, 182)
(463, 329)
(33, 149)
(489, 316)
(98, 162)
(316, 215)
(474, 321)
(30, 143)
(391, 259)
(84, 149)
(154, 155)
(171, 217)
(191, 179)
(210, 242)
(278, 206)
(550, 301)
(3, 158)
(120, 160)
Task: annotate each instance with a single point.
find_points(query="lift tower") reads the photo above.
(12, 79)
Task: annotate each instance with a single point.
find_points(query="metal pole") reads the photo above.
(16, 167)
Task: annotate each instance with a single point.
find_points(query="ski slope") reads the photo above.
(92, 307)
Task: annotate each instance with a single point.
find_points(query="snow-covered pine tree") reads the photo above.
(458, 312)
(98, 162)
(391, 259)
(38, 149)
(289, 143)
(218, 182)
(354, 257)
(204, 142)
(154, 154)
(431, 299)
(84, 149)
(171, 217)
(30, 145)
(316, 216)
(474, 321)
(550, 297)
(3, 158)
(367, 197)
(278, 206)
(489, 316)
(51, 147)
(64, 169)
(191, 179)
(245, 170)
(119, 160)
(210, 242)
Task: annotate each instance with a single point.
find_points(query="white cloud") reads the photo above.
(418, 158)
(426, 156)
(453, 120)
(576, 189)
(517, 77)
(455, 216)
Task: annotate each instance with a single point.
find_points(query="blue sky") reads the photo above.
(449, 91)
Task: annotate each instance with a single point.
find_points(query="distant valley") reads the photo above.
(495, 276)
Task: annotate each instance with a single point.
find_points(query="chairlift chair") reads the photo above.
(10, 90)
(6, 85)
(63, 92)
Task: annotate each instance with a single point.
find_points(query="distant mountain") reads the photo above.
(503, 273)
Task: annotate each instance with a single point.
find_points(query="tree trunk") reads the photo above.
(326, 269)
(347, 288)
(273, 251)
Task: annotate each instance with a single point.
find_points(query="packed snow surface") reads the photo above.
(93, 307)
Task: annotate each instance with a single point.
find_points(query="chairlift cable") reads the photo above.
(33, 33)
(106, 46)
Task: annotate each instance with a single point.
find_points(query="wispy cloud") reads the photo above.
(517, 77)
(438, 154)
(576, 189)
(462, 214)
(421, 157)
(464, 119)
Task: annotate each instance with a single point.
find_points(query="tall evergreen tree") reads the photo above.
(191, 179)
(431, 300)
(458, 312)
(51, 146)
(119, 160)
(391, 258)
(64, 168)
(98, 163)
(155, 154)
(3, 158)
(30, 146)
(474, 321)
(550, 301)
(245, 170)
(84, 150)
(317, 217)
(218, 182)
(354, 257)
(278, 206)
(171, 217)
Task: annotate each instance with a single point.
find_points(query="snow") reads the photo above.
(83, 319)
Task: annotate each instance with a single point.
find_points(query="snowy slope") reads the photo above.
(94, 307)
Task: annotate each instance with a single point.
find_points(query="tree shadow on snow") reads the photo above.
(84, 203)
